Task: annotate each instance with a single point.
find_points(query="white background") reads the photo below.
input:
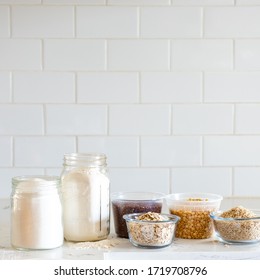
(169, 90)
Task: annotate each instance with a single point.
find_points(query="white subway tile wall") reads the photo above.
(108, 87)
(5, 89)
(43, 87)
(202, 119)
(171, 22)
(4, 21)
(202, 55)
(42, 22)
(169, 90)
(20, 54)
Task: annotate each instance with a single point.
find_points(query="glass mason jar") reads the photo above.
(85, 196)
(36, 212)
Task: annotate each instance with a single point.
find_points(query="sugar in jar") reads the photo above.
(36, 212)
(85, 195)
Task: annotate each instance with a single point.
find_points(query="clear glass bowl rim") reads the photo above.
(215, 216)
(182, 197)
(131, 218)
(137, 196)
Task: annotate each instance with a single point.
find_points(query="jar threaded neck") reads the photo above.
(85, 159)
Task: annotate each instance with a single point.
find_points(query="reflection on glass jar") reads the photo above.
(85, 192)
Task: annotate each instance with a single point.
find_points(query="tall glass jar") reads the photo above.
(36, 212)
(85, 195)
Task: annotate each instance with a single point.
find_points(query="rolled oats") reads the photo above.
(235, 229)
(151, 234)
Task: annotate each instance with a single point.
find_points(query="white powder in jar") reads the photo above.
(36, 219)
(85, 193)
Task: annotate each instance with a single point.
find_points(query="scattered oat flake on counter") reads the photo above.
(238, 212)
(102, 244)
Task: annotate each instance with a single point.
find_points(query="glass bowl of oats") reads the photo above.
(238, 225)
(194, 210)
(151, 230)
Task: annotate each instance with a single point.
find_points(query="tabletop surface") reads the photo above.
(118, 248)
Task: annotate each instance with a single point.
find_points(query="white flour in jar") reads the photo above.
(36, 221)
(85, 194)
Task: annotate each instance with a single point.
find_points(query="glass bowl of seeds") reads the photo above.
(133, 202)
(194, 210)
(238, 225)
(151, 230)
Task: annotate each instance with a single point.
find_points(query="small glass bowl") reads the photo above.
(151, 234)
(133, 202)
(237, 230)
(194, 210)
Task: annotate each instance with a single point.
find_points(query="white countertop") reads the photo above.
(181, 249)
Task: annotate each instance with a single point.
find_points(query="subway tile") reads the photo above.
(232, 87)
(171, 22)
(204, 180)
(6, 151)
(247, 2)
(247, 119)
(75, 2)
(202, 2)
(202, 119)
(21, 119)
(20, 54)
(77, 55)
(139, 119)
(139, 180)
(247, 54)
(6, 175)
(135, 55)
(231, 150)
(42, 151)
(43, 87)
(42, 22)
(76, 119)
(9, 2)
(247, 181)
(174, 87)
(5, 87)
(108, 87)
(139, 2)
(169, 151)
(107, 22)
(236, 22)
(54, 171)
(4, 22)
(202, 55)
(120, 151)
